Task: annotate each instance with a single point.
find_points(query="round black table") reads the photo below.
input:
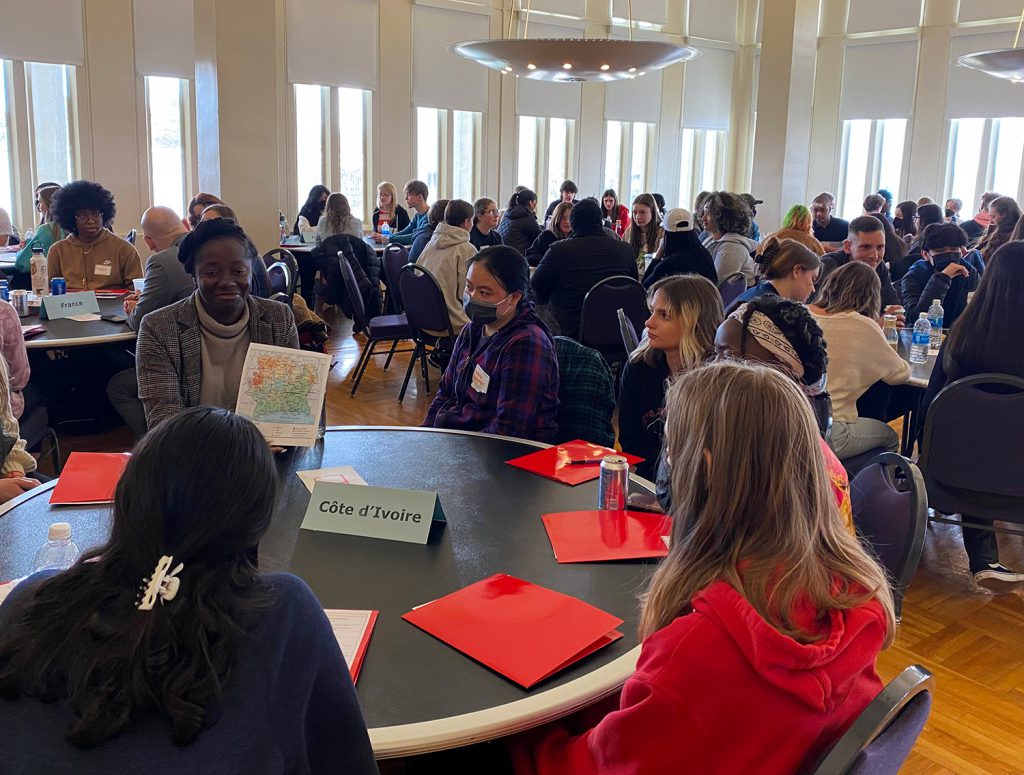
(72, 333)
(417, 693)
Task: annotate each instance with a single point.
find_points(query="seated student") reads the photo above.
(484, 233)
(828, 230)
(685, 313)
(416, 193)
(743, 668)
(984, 340)
(572, 266)
(1005, 213)
(337, 218)
(165, 281)
(566, 193)
(865, 243)
(260, 278)
(13, 352)
(387, 210)
(92, 257)
(644, 233)
(447, 256)
(166, 649)
(519, 227)
(616, 215)
(558, 228)
(192, 352)
(782, 334)
(797, 226)
(785, 268)
(946, 272)
(196, 206)
(310, 212)
(49, 231)
(15, 461)
(728, 222)
(435, 216)
(8, 234)
(503, 373)
(977, 225)
(952, 210)
(682, 251)
(859, 356)
(904, 221)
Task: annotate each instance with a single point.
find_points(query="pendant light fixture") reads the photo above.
(1005, 63)
(571, 60)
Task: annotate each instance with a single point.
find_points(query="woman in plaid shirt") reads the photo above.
(503, 374)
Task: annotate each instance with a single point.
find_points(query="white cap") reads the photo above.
(677, 219)
(59, 531)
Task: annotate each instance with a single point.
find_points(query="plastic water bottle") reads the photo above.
(385, 231)
(59, 552)
(935, 315)
(919, 341)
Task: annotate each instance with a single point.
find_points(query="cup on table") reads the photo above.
(138, 283)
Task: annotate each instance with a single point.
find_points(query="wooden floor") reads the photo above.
(972, 641)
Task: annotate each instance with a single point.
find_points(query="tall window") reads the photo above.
(545, 154)
(702, 163)
(985, 154)
(627, 147)
(6, 188)
(51, 103)
(331, 131)
(448, 148)
(167, 108)
(872, 159)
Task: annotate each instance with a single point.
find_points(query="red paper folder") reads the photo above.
(557, 462)
(594, 536)
(523, 631)
(89, 477)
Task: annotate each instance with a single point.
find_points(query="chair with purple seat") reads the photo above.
(427, 313)
(855, 463)
(731, 287)
(882, 736)
(599, 320)
(890, 512)
(383, 328)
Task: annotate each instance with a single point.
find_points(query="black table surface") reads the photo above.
(494, 525)
(69, 333)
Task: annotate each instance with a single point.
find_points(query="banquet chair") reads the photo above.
(599, 321)
(427, 313)
(394, 258)
(286, 257)
(882, 736)
(731, 287)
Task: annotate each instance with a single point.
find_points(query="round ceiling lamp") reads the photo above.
(570, 60)
(1005, 63)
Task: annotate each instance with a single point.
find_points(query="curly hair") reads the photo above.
(729, 213)
(799, 328)
(81, 195)
(207, 231)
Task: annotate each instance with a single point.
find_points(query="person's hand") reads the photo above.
(955, 269)
(645, 501)
(276, 449)
(377, 236)
(130, 301)
(897, 310)
(15, 485)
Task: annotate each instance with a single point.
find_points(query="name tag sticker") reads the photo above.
(372, 512)
(102, 269)
(481, 380)
(69, 304)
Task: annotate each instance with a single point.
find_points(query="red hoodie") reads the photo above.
(722, 691)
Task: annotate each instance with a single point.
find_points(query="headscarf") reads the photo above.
(771, 338)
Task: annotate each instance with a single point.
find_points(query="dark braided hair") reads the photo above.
(81, 195)
(799, 328)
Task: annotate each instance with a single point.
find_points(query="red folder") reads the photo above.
(89, 477)
(572, 463)
(594, 536)
(523, 631)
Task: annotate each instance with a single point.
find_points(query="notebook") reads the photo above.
(353, 630)
(523, 631)
(89, 478)
(601, 535)
(571, 463)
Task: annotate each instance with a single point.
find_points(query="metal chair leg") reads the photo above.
(367, 354)
(391, 354)
(416, 353)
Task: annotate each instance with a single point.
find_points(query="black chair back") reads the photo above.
(731, 287)
(971, 455)
(630, 340)
(890, 510)
(599, 321)
(286, 257)
(881, 737)
(394, 258)
(130, 237)
(425, 306)
(280, 277)
(360, 322)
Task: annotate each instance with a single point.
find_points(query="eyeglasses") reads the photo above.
(493, 211)
(84, 216)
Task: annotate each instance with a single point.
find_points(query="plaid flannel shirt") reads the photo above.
(521, 396)
(585, 393)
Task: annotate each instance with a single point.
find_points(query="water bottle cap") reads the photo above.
(923, 316)
(935, 301)
(59, 531)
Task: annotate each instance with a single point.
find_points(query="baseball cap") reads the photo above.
(677, 219)
(751, 200)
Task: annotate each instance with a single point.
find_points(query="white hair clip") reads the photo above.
(162, 584)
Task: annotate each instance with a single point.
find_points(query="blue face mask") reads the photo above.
(482, 312)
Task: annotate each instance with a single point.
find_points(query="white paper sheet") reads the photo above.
(282, 391)
(338, 475)
(349, 628)
(85, 317)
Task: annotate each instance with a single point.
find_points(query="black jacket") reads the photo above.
(519, 228)
(683, 262)
(397, 223)
(365, 266)
(641, 406)
(479, 240)
(572, 266)
(923, 284)
(540, 246)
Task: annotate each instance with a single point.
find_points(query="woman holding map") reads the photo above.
(191, 353)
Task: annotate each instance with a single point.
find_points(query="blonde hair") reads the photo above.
(389, 187)
(697, 304)
(759, 514)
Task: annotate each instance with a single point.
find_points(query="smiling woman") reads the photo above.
(191, 353)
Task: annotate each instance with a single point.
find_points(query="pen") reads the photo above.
(586, 461)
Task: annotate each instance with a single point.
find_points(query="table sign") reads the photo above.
(68, 304)
(373, 512)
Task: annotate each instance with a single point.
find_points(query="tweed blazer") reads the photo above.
(168, 355)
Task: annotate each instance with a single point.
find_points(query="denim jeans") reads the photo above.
(853, 438)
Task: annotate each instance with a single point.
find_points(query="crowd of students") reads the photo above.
(89, 673)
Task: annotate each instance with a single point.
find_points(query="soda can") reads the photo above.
(5, 291)
(58, 287)
(19, 300)
(614, 483)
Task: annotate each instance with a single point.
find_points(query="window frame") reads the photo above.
(542, 162)
(873, 169)
(698, 158)
(987, 158)
(186, 113)
(446, 149)
(627, 129)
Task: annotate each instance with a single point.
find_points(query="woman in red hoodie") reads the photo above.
(762, 626)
